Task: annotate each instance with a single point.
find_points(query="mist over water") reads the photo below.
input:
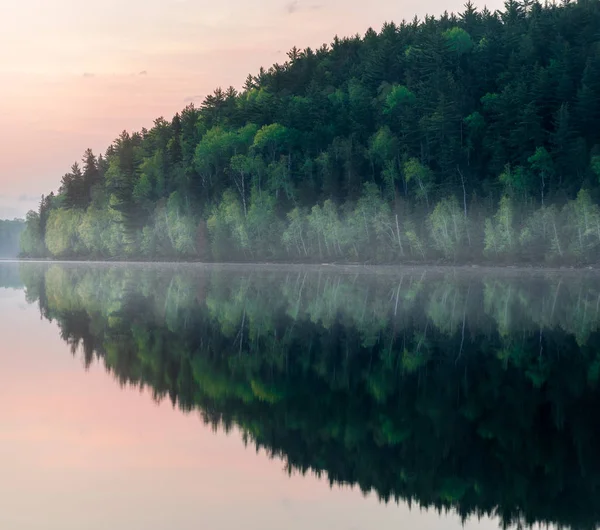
(467, 394)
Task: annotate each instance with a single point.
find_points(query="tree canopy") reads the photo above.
(478, 106)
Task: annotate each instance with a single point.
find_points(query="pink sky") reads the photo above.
(77, 451)
(73, 73)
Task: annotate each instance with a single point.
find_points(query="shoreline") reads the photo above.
(332, 266)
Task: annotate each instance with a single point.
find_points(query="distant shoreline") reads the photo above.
(339, 266)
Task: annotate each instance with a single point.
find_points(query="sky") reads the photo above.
(79, 451)
(74, 74)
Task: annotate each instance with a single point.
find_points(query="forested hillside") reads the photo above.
(468, 136)
(10, 234)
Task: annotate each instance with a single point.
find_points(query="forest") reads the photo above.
(10, 236)
(468, 137)
(476, 393)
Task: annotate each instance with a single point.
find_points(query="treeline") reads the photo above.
(468, 392)
(469, 136)
(10, 236)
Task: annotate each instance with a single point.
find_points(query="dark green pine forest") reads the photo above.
(466, 137)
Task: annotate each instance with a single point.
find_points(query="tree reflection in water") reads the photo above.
(469, 391)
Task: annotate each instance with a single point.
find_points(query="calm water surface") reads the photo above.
(152, 397)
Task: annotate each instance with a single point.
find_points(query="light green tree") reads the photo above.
(272, 141)
(415, 243)
(583, 225)
(294, 236)
(181, 226)
(421, 176)
(101, 232)
(62, 232)
(541, 234)
(448, 227)
(373, 227)
(32, 242)
(213, 153)
(458, 41)
(500, 234)
(328, 229)
(542, 165)
(383, 150)
(516, 181)
(263, 227)
(227, 226)
(397, 98)
(595, 165)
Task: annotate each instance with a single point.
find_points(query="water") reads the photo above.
(187, 396)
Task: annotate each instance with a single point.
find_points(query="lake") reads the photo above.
(265, 397)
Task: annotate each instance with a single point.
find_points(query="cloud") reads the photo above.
(89, 75)
(14, 211)
(13, 206)
(7, 212)
(293, 6)
(28, 198)
(192, 99)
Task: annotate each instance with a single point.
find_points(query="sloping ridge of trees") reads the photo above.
(470, 136)
(475, 394)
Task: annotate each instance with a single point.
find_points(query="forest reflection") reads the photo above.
(471, 391)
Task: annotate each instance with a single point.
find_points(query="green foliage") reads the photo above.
(474, 105)
(294, 237)
(272, 140)
(501, 238)
(542, 234)
(213, 153)
(101, 233)
(328, 228)
(384, 150)
(383, 146)
(475, 123)
(448, 227)
(542, 164)
(595, 165)
(227, 227)
(416, 245)
(32, 239)
(62, 232)
(397, 98)
(181, 227)
(142, 191)
(421, 176)
(373, 226)
(458, 41)
(583, 225)
(264, 230)
(516, 181)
